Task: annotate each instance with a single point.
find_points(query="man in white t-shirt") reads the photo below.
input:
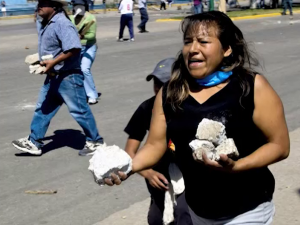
(125, 8)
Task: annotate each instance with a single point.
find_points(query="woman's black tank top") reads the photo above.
(213, 194)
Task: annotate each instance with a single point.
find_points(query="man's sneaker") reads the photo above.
(120, 40)
(90, 148)
(132, 39)
(92, 101)
(25, 145)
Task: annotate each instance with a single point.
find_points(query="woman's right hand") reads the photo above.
(116, 179)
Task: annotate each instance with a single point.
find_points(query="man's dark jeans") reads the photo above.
(68, 89)
(144, 19)
(287, 4)
(126, 20)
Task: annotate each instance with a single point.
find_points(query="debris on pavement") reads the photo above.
(40, 192)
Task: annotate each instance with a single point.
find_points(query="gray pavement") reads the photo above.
(119, 72)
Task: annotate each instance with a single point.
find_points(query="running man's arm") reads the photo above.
(62, 57)
(91, 33)
(70, 44)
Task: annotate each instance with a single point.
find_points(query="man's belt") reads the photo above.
(65, 73)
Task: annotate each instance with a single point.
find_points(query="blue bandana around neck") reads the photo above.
(214, 79)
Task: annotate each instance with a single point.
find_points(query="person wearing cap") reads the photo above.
(86, 25)
(157, 178)
(64, 80)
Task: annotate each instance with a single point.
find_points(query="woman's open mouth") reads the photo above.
(195, 62)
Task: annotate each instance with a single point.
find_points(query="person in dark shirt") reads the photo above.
(215, 85)
(157, 177)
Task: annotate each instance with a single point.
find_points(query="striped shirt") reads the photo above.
(60, 36)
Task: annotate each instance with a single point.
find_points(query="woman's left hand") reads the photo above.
(225, 163)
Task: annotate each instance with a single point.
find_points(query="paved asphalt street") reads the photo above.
(119, 72)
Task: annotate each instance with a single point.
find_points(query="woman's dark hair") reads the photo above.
(241, 61)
